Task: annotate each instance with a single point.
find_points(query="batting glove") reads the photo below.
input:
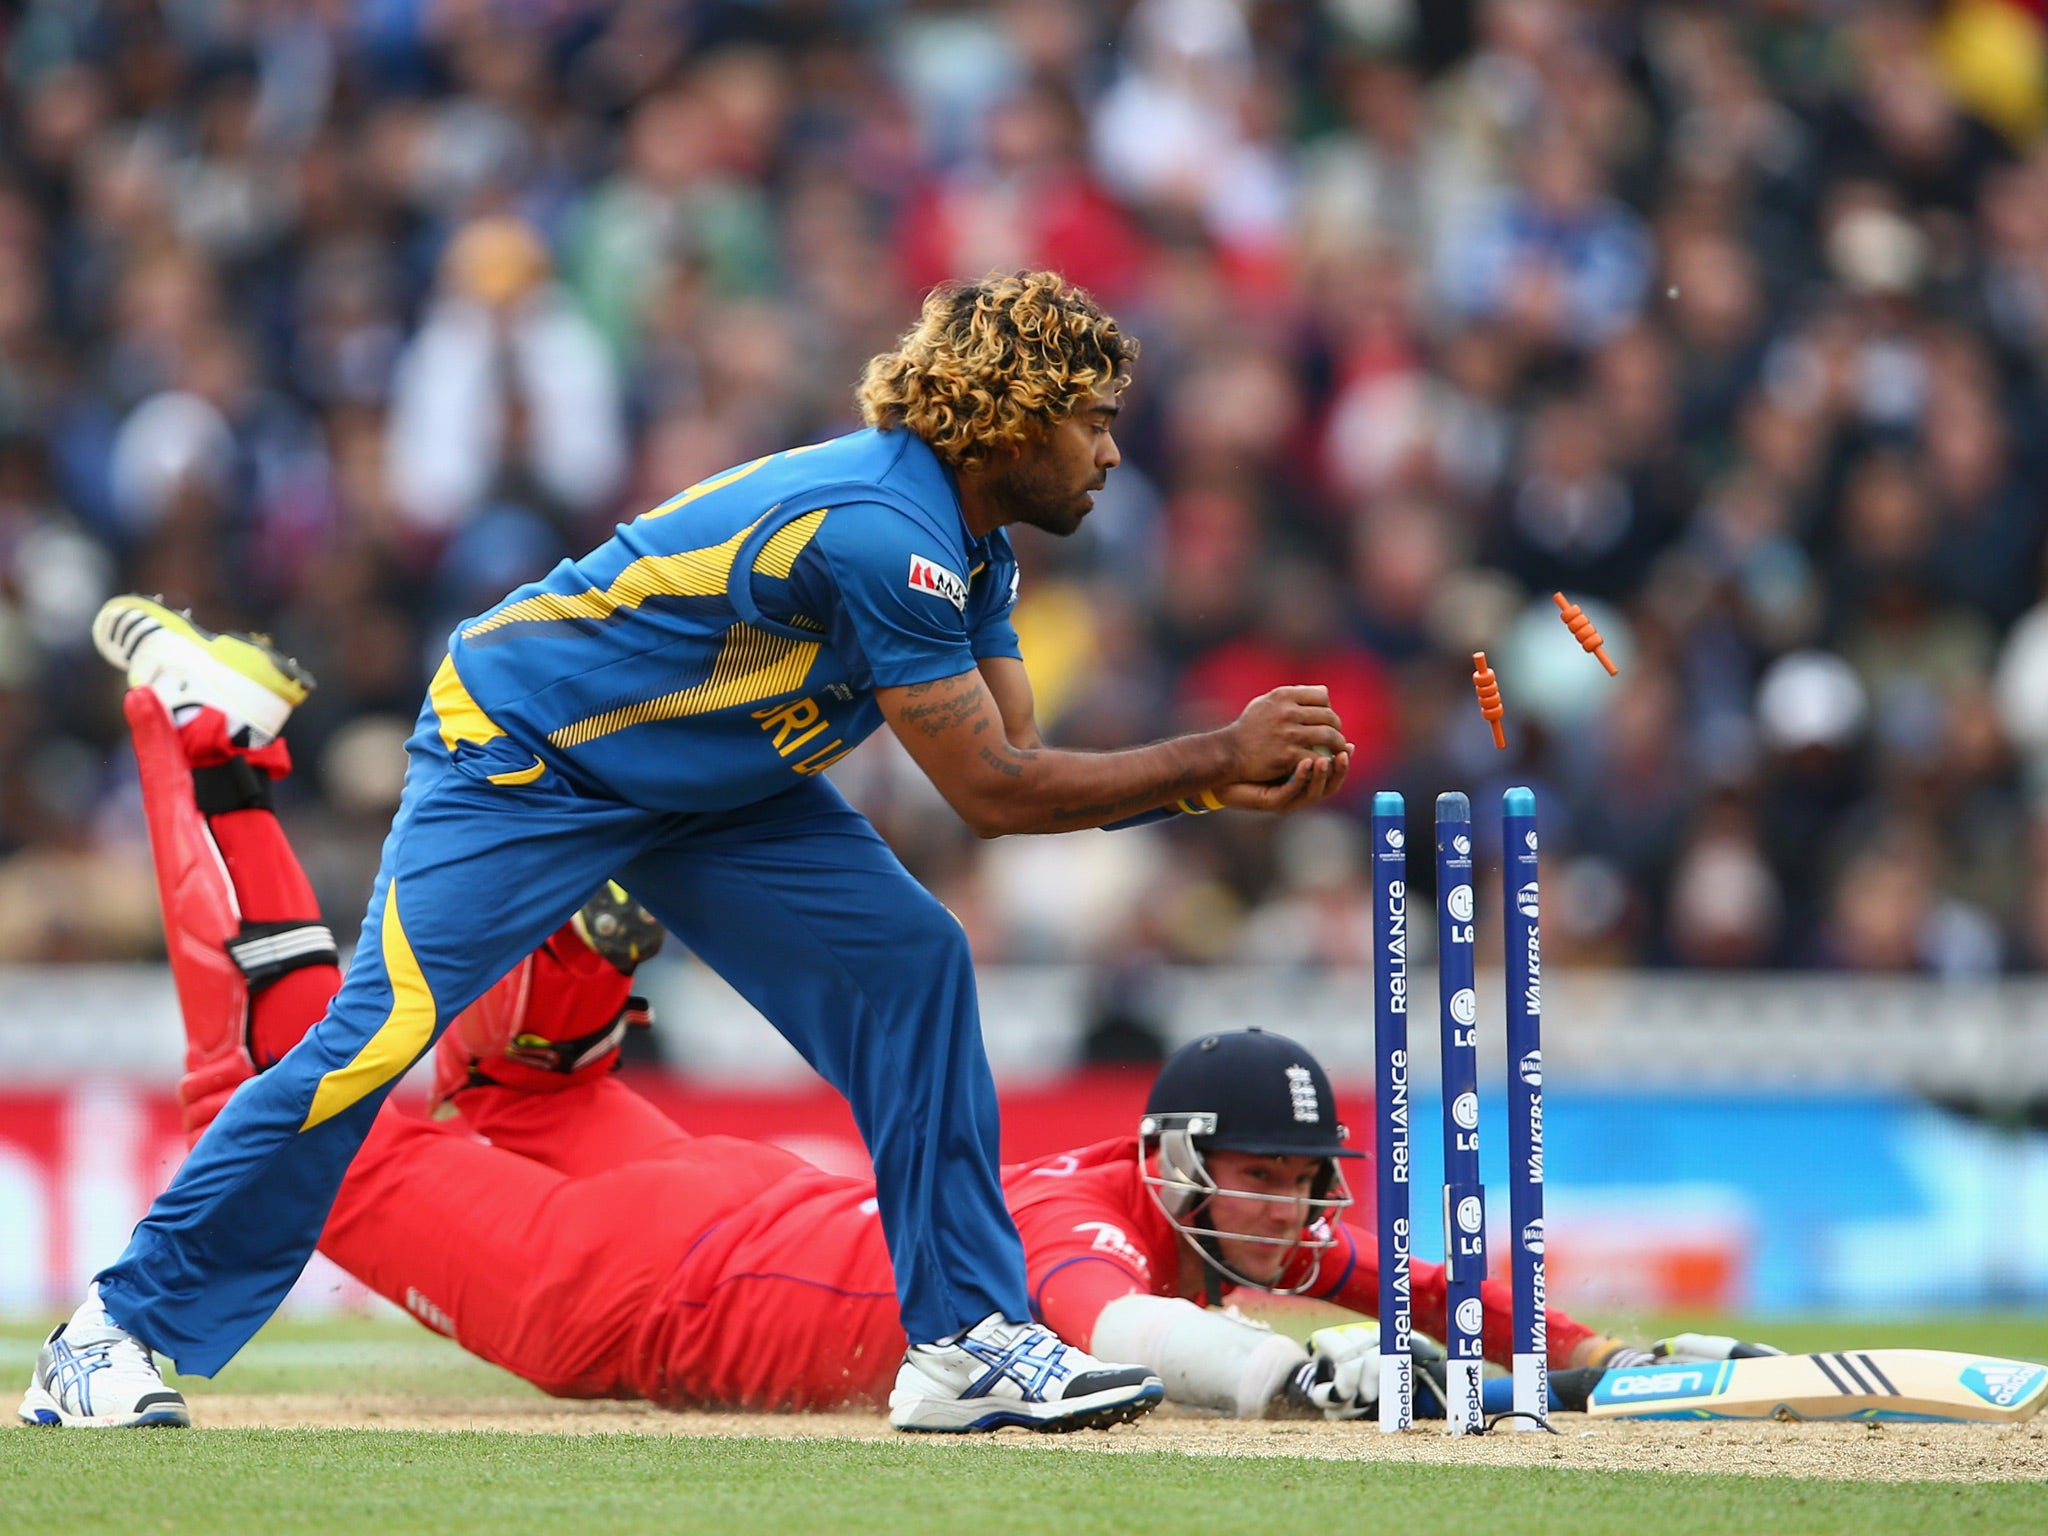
(1614, 1355)
(1679, 1349)
(1341, 1377)
(1687, 1347)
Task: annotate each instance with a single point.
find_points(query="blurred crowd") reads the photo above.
(339, 318)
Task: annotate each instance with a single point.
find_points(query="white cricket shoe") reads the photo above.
(92, 1375)
(244, 676)
(1000, 1374)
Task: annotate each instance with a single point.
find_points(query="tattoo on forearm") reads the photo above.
(949, 705)
(1143, 799)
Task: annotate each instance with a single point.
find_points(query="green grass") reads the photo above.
(261, 1482)
(389, 1355)
(2016, 1335)
(396, 1355)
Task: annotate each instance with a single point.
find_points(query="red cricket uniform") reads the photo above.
(599, 1251)
(592, 1246)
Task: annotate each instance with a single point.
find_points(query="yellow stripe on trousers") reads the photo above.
(398, 1040)
(460, 716)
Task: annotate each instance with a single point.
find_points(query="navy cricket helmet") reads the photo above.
(1242, 1091)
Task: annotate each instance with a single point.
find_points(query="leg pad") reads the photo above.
(234, 785)
(265, 951)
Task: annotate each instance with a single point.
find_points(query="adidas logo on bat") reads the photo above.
(2002, 1383)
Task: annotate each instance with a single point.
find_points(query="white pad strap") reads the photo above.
(1206, 1359)
(265, 951)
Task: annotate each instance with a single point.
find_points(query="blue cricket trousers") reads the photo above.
(796, 901)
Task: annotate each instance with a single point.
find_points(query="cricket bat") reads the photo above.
(1847, 1384)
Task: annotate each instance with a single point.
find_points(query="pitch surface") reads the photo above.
(380, 1426)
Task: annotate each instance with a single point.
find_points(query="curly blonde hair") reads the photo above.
(995, 364)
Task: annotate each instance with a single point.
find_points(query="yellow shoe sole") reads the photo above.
(250, 655)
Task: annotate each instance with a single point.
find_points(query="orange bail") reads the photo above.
(1488, 688)
(1583, 631)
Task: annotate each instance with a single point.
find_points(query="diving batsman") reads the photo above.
(555, 1223)
(661, 712)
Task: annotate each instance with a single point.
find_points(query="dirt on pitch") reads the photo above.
(1884, 1453)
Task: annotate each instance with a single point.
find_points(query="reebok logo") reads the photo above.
(929, 577)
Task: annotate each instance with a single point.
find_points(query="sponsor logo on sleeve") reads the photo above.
(1112, 1239)
(935, 580)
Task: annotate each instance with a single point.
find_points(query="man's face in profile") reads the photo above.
(1050, 483)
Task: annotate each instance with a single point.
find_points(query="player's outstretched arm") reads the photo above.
(966, 744)
(1010, 685)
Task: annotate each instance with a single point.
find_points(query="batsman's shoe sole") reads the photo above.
(617, 927)
(967, 1416)
(165, 1410)
(160, 648)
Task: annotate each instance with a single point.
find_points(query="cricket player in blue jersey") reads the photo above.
(661, 711)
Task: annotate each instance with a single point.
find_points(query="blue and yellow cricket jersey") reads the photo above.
(729, 642)
(661, 711)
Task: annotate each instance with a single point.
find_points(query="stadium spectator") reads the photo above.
(1736, 314)
(504, 388)
(1562, 264)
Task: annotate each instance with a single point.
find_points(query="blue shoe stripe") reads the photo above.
(1017, 1363)
(71, 1373)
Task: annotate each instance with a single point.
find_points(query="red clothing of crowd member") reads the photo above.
(1361, 689)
